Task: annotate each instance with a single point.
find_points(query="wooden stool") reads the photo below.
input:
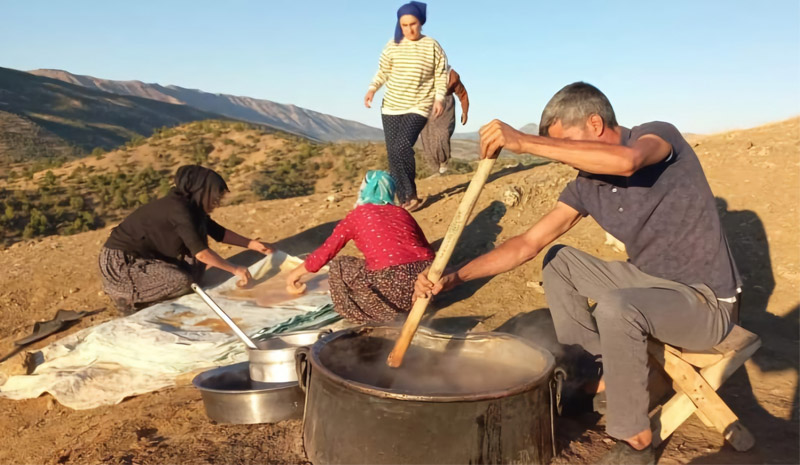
(696, 376)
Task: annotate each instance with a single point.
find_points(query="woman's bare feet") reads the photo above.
(413, 204)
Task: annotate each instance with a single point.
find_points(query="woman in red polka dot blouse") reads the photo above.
(380, 286)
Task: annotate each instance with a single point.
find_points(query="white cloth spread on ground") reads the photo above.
(148, 350)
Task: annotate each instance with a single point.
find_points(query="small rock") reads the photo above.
(608, 441)
(100, 293)
(74, 290)
(334, 198)
(535, 286)
(512, 196)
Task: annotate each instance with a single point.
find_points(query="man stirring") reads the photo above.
(645, 186)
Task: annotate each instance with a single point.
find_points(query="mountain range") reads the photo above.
(83, 117)
(530, 128)
(291, 118)
(57, 111)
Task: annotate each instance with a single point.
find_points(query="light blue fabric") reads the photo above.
(377, 188)
(319, 318)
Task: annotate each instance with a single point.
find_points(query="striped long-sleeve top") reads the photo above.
(415, 74)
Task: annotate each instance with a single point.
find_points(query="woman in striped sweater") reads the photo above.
(414, 69)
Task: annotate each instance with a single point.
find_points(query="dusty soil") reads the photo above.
(755, 174)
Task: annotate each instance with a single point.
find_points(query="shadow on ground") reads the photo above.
(477, 238)
(459, 188)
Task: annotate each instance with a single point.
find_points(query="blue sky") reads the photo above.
(705, 65)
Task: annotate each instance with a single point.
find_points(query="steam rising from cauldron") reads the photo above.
(455, 369)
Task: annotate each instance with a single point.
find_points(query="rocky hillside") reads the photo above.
(21, 139)
(287, 117)
(87, 118)
(257, 162)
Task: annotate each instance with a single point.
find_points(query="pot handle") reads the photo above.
(302, 366)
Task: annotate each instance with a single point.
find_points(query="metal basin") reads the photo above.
(229, 396)
(273, 362)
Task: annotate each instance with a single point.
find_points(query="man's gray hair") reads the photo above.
(573, 105)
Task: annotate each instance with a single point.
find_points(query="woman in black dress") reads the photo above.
(161, 248)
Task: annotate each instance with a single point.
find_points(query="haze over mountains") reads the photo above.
(530, 128)
(49, 113)
(85, 118)
(291, 118)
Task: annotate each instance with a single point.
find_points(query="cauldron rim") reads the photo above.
(536, 381)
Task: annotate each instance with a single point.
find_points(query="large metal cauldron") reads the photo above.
(480, 398)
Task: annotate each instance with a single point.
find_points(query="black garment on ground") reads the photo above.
(168, 229)
(665, 214)
(401, 132)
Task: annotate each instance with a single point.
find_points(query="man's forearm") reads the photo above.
(507, 256)
(592, 157)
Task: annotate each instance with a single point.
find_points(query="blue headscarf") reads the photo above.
(377, 189)
(415, 9)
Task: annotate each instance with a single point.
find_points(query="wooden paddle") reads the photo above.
(440, 262)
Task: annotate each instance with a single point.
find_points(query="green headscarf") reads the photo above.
(378, 189)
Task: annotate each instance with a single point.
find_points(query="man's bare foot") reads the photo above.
(595, 387)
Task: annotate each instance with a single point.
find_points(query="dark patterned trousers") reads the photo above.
(401, 132)
(435, 138)
(363, 296)
(134, 282)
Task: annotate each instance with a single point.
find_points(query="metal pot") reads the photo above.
(359, 412)
(273, 362)
(230, 397)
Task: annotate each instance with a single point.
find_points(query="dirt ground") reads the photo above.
(755, 174)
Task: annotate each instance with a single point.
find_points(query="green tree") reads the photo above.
(48, 180)
(76, 203)
(98, 153)
(118, 200)
(37, 225)
(164, 186)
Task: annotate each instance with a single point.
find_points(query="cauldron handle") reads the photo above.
(302, 366)
(556, 386)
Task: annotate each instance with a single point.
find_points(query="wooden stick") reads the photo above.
(442, 257)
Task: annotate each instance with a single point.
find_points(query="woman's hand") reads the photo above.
(438, 109)
(368, 98)
(260, 247)
(293, 284)
(245, 279)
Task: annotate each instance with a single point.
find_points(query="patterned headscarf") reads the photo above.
(415, 9)
(377, 188)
